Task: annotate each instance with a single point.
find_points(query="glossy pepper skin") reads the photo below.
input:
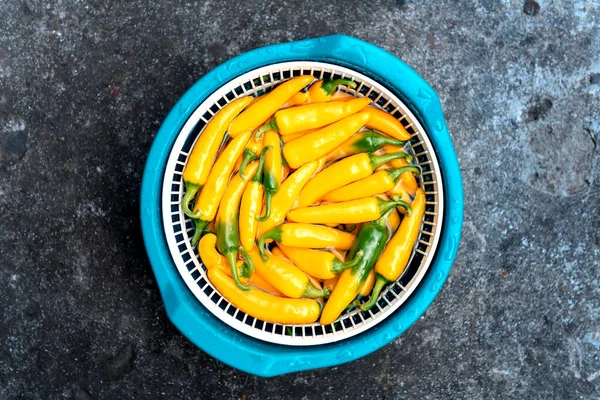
(251, 206)
(341, 173)
(396, 255)
(227, 225)
(318, 263)
(264, 306)
(213, 259)
(346, 212)
(368, 285)
(205, 149)
(313, 116)
(384, 122)
(306, 236)
(315, 145)
(407, 180)
(285, 276)
(207, 202)
(284, 199)
(371, 239)
(273, 172)
(261, 110)
(380, 182)
(322, 91)
(251, 153)
(363, 142)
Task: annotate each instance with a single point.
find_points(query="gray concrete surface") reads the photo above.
(84, 87)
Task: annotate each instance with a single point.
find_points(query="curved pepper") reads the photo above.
(251, 152)
(264, 306)
(251, 205)
(396, 255)
(322, 91)
(318, 263)
(227, 225)
(342, 173)
(363, 142)
(287, 194)
(213, 259)
(315, 145)
(371, 239)
(297, 99)
(407, 179)
(205, 149)
(285, 276)
(273, 173)
(368, 285)
(264, 107)
(346, 212)
(312, 116)
(207, 203)
(385, 122)
(306, 236)
(378, 183)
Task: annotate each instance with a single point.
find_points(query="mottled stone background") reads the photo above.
(84, 86)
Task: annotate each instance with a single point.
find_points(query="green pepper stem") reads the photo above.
(190, 192)
(248, 157)
(330, 86)
(378, 161)
(273, 234)
(380, 140)
(395, 173)
(200, 226)
(379, 284)
(258, 176)
(231, 256)
(312, 292)
(387, 205)
(249, 270)
(268, 197)
(269, 126)
(338, 266)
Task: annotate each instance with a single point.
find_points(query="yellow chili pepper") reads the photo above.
(297, 99)
(251, 152)
(407, 179)
(377, 183)
(289, 138)
(251, 205)
(206, 148)
(227, 224)
(395, 257)
(284, 199)
(315, 145)
(394, 221)
(385, 122)
(285, 276)
(263, 108)
(322, 91)
(213, 259)
(368, 285)
(312, 116)
(208, 202)
(276, 251)
(264, 306)
(306, 236)
(273, 172)
(364, 142)
(318, 263)
(286, 173)
(346, 212)
(342, 173)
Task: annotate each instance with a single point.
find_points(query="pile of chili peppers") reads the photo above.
(320, 174)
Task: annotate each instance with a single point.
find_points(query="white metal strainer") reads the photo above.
(178, 228)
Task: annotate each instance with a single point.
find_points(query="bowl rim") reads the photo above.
(235, 348)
